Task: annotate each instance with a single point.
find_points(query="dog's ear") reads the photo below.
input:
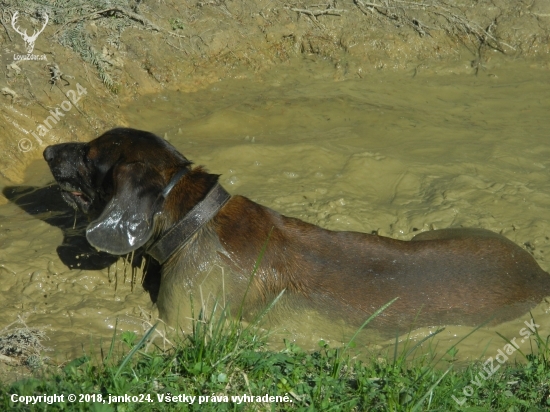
(126, 223)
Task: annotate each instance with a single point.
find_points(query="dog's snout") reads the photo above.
(64, 159)
(63, 153)
(49, 153)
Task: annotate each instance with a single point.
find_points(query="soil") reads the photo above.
(121, 50)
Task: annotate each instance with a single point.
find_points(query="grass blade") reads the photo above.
(419, 403)
(111, 348)
(256, 267)
(136, 348)
(371, 317)
(421, 341)
(463, 338)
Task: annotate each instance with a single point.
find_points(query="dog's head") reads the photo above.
(117, 180)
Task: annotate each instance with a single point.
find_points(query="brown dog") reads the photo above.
(141, 193)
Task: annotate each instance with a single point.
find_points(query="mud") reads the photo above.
(353, 122)
(136, 48)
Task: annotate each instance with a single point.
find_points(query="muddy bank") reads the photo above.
(121, 50)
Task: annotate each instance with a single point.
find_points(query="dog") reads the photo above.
(139, 192)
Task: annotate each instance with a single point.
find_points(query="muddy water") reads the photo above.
(392, 153)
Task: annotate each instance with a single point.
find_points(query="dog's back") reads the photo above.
(449, 276)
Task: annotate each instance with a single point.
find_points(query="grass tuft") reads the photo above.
(222, 357)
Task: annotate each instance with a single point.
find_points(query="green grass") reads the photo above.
(224, 358)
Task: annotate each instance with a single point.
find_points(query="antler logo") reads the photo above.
(29, 40)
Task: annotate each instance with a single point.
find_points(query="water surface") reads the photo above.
(391, 153)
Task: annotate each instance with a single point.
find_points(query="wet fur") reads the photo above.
(457, 276)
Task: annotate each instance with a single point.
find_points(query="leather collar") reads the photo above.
(176, 237)
(175, 179)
